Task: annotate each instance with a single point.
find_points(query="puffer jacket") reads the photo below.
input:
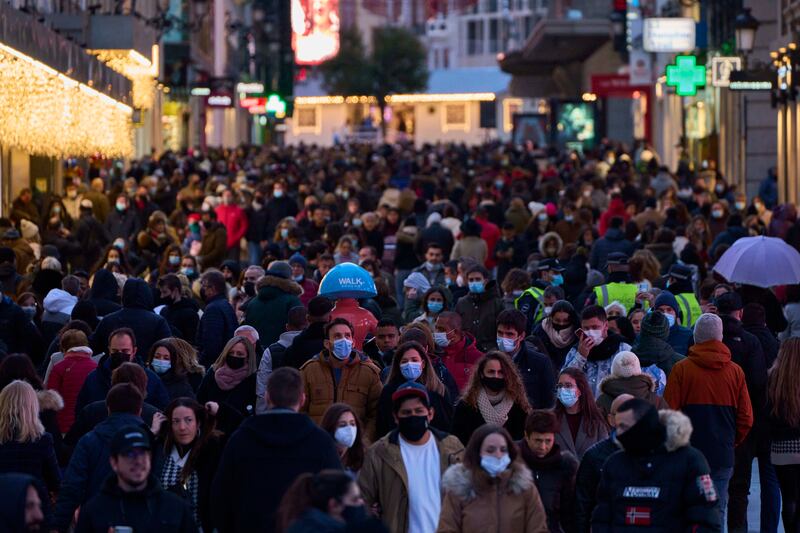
(459, 358)
(554, 475)
(137, 314)
(268, 311)
(657, 351)
(475, 502)
(67, 379)
(587, 479)
(667, 490)
(384, 479)
(479, 315)
(640, 386)
(359, 386)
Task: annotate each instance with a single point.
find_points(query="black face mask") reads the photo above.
(644, 436)
(249, 288)
(494, 384)
(117, 358)
(412, 428)
(354, 514)
(234, 363)
(208, 224)
(559, 327)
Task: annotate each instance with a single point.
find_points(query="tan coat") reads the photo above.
(476, 503)
(359, 387)
(383, 478)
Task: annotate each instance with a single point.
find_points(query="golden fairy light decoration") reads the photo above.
(136, 68)
(44, 112)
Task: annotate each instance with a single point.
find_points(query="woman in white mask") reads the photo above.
(582, 423)
(343, 425)
(491, 490)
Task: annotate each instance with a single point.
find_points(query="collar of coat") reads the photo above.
(462, 482)
(286, 285)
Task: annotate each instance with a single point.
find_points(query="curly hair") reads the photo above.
(514, 387)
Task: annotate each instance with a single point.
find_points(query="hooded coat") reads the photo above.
(258, 464)
(639, 386)
(668, 489)
(152, 509)
(13, 495)
(137, 314)
(475, 502)
(613, 241)
(268, 311)
(183, 318)
(89, 467)
(104, 293)
(653, 350)
(711, 390)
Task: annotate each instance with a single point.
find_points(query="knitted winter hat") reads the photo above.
(707, 328)
(655, 325)
(625, 365)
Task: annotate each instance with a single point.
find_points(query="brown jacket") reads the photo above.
(359, 387)
(639, 386)
(383, 478)
(476, 503)
(213, 247)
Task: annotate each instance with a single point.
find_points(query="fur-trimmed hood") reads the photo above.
(679, 429)
(284, 285)
(551, 235)
(50, 400)
(460, 481)
(616, 385)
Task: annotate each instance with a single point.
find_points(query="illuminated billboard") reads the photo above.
(315, 30)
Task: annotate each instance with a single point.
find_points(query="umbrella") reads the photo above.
(347, 280)
(760, 261)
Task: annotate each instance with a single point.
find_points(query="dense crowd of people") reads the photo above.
(548, 347)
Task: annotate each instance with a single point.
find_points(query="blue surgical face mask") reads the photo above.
(188, 271)
(558, 279)
(569, 218)
(277, 193)
(174, 260)
(441, 340)
(284, 233)
(493, 465)
(342, 348)
(411, 370)
(298, 279)
(160, 366)
(670, 319)
(506, 345)
(568, 397)
(435, 307)
(476, 287)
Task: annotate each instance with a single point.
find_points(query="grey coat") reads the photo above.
(583, 441)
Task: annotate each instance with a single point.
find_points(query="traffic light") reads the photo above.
(619, 25)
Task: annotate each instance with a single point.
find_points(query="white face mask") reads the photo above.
(346, 435)
(494, 466)
(595, 334)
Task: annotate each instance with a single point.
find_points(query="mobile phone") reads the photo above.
(643, 287)
(579, 332)
(123, 529)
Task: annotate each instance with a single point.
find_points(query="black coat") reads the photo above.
(306, 345)
(587, 480)
(152, 509)
(435, 233)
(241, 398)
(182, 318)
(467, 419)
(442, 405)
(98, 383)
(769, 343)
(17, 333)
(185, 386)
(122, 224)
(94, 413)
(538, 376)
(554, 475)
(262, 458)
(685, 499)
(215, 329)
(36, 458)
(137, 314)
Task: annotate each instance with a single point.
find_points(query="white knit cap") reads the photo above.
(707, 328)
(625, 365)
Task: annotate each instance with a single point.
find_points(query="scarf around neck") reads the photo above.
(560, 339)
(227, 378)
(494, 409)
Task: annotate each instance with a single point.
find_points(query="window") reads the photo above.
(446, 58)
(307, 119)
(455, 117)
(475, 37)
(494, 36)
(491, 6)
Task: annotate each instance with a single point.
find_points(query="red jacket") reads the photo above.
(310, 288)
(491, 234)
(711, 390)
(234, 219)
(615, 209)
(67, 378)
(460, 357)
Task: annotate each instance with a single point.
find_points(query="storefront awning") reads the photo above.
(555, 43)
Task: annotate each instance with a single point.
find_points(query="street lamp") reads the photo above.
(746, 26)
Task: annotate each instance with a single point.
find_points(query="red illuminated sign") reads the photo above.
(252, 101)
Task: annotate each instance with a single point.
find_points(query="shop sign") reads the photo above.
(668, 34)
(686, 75)
(722, 68)
(755, 80)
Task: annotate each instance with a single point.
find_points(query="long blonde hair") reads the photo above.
(187, 355)
(782, 386)
(19, 413)
(251, 354)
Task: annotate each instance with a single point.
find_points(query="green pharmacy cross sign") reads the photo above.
(686, 76)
